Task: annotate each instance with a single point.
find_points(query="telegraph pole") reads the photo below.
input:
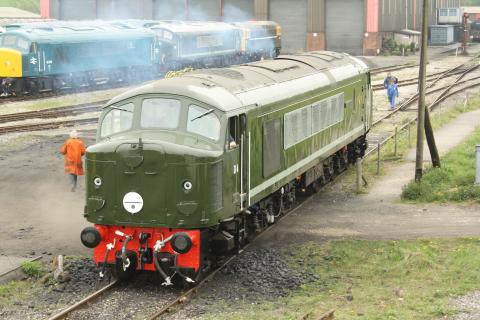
(421, 93)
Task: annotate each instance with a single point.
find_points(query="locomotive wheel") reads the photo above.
(33, 88)
(316, 186)
(19, 88)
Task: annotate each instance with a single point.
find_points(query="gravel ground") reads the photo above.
(259, 274)
(470, 305)
(130, 300)
(48, 296)
(137, 299)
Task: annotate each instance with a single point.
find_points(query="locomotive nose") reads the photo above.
(10, 63)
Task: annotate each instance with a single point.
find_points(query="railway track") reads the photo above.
(68, 91)
(60, 112)
(169, 306)
(414, 80)
(459, 84)
(375, 71)
(46, 125)
(72, 110)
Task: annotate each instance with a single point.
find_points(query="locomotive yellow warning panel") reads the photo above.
(10, 63)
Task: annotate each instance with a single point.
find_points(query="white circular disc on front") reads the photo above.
(133, 202)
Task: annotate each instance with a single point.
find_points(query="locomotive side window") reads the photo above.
(203, 122)
(233, 133)
(23, 44)
(303, 123)
(61, 55)
(160, 113)
(9, 41)
(117, 119)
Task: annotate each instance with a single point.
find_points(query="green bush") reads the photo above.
(32, 269)
(412, 47)
(453, 182)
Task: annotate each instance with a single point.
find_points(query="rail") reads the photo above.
(407, 128)
(64, 313)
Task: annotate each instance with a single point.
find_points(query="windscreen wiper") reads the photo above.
(203, 115)
(118, 108)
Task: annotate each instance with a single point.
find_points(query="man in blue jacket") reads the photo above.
(392, 93)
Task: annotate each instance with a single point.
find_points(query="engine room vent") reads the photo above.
(216, 185)
(227, 73)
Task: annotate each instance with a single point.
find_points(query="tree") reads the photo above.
(468, 3)
(28, 5)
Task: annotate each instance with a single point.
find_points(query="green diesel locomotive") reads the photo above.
(186, 169)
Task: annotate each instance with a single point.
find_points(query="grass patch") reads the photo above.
(28, 5)
(376, 280)
(453, 182)
(13, 291)
(32, 269)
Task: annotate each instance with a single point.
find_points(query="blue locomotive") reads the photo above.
(54, 56)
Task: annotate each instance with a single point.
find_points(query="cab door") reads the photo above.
(41, 61)
(368, 104)
(235, 164)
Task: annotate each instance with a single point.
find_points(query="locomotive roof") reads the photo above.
(192, 26)
(250, 24)
(58, 31)
(261, 83)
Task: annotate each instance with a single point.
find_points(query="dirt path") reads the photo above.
(378, 214)
(38, 213)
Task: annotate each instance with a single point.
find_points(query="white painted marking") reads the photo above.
(133, 202)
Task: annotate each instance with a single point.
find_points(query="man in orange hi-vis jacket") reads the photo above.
(73, 149)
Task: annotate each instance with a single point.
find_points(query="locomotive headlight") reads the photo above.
(97, 181)
(90, 237)
(187, 185)
(181, 242)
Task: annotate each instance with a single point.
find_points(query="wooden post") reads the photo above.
(409, 134)
(431, 141)
(359, 174)
(395, 141)
(421, 93)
